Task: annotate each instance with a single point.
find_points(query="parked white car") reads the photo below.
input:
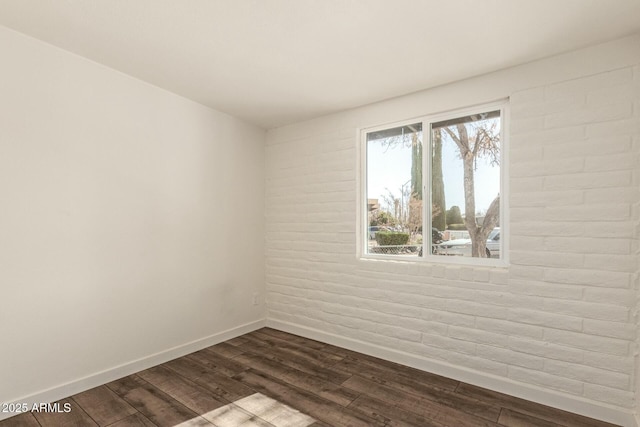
(462, 247)
(455, 234)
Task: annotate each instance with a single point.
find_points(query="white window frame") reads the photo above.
(363, 221)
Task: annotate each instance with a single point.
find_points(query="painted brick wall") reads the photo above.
(574, 194)
(560, 317)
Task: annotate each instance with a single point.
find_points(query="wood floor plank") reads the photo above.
(215, 362)
(103, 405)
(418, 387)
(135, 420)
(536, 410)
(187, 368)
(389, 413)
(75, 417)
(405, 371)
(22, 420)
(160, 408)
(342, 352)
(319, 355)
(331, 391)
(237, 340)
(306, 402)
(418, 405)
(301, 363)
(221, 386)
(123, 385)
(156, 375)
(317, 345)
(225, 349)
(187, 392)
(509, 418)
(253, 344)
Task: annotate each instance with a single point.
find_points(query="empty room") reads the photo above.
(319, 213)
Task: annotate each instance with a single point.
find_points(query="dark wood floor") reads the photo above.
(331, 385)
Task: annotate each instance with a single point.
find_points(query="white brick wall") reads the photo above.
(561, 316)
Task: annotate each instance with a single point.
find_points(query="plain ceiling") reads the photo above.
(275, 62)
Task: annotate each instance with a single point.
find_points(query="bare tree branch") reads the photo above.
(477, 142)
(456, 139)
(492, 216)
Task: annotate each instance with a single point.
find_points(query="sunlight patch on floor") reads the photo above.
(257, 410)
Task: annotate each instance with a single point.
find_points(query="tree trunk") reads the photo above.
(416, 167)
(478, 234)
(468, 153)
(438, 206)
(415, 197)
(477, 248)
(478, 245)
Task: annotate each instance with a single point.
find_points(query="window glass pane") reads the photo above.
(465, 185)
(394, 191)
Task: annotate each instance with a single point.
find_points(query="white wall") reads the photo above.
(556, 326)
(131, 222)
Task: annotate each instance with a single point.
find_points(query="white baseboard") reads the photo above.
(100, 378)
(552, 398)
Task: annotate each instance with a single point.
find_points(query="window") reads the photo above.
(433, 188)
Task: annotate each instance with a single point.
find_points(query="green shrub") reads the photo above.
(390, 238)
(457, 227)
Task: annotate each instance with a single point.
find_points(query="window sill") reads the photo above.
(440, 260)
